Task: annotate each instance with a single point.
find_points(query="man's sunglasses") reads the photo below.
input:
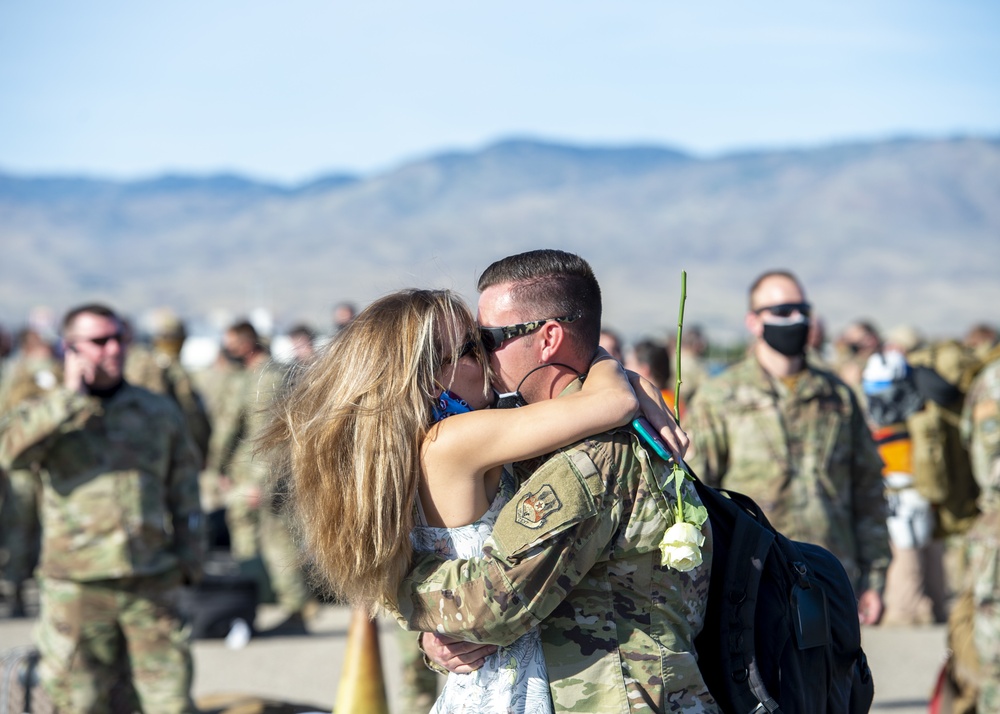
(787, 309)
(101, 341)
(493, 337)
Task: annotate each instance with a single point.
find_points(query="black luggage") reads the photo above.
(21, 693)
(218, 602)
(19, 688)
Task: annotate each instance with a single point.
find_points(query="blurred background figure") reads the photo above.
(974, 628)
(650, 359)
(156, 366)
(31, 372)
(980, 339)
(944, 369)
(816, 343)
(31, 369)
(694, 364)
(260, 540)
(915, 592)
(303, 340)
(216, 384)
(612, 342)
(418, 684)
(859, 341)
(6, 346)
(343, 313)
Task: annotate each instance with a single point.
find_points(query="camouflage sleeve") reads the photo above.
(543, 543)
(227, 427)
(981, 428)
(184, 502)
(183, 391)
(709, 456)
(262, 387)
(26, 433)
(868, 502)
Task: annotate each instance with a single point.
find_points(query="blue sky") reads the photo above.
(287, 91)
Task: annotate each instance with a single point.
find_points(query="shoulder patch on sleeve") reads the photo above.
(556, 497)
(534, 508)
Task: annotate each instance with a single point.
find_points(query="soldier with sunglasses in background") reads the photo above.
(121, 526)
(793, 438)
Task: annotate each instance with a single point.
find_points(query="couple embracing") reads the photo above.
(536, 529)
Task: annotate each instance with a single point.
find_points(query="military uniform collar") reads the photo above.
(810, 384)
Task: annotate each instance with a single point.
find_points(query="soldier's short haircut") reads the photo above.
(302, 330)
(771, 274)
(245, 331)
(654, 355)
(92, 308)
(553, 283)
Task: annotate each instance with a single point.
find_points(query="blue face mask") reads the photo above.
(448, 404)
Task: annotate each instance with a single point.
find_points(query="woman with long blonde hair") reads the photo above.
(374, 466)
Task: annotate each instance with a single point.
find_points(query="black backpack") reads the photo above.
(781, 628)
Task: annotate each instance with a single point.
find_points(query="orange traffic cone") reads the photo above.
(362, 689)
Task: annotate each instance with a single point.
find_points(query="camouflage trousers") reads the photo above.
(418, 684)
(915, 586)
(984, 570)
(20, 533)
(91, 634)
(262, 544)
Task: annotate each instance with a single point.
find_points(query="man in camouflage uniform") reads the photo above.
(218, 384)
(576, 551)
(30, 374)
(158, 368)
(981, 426)
(260, 540)
(793, 438)
(120, 525)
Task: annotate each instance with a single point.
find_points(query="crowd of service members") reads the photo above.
(930, 406)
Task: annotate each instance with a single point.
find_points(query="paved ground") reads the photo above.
(307, 668)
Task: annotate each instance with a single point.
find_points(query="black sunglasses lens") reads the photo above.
(785, 311)
(488, 338)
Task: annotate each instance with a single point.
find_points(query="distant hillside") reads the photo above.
(898, 231)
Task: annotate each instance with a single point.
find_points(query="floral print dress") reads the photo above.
(513, 680)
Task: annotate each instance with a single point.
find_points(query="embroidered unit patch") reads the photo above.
(534, 508)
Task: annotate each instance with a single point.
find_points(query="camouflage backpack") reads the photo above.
(942, 470)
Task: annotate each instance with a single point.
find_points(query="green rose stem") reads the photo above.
(677, 347)
(678, 472)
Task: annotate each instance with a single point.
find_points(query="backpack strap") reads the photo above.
(744, 570)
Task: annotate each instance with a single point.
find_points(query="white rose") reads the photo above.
(681, 547)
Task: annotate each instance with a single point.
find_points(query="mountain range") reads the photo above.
(897, 231)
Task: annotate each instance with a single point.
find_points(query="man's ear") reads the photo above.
(552, 338)
(753, 323)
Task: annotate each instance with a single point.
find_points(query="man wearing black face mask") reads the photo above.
(793, 438)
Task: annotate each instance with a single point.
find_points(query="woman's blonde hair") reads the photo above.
(346, 439)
